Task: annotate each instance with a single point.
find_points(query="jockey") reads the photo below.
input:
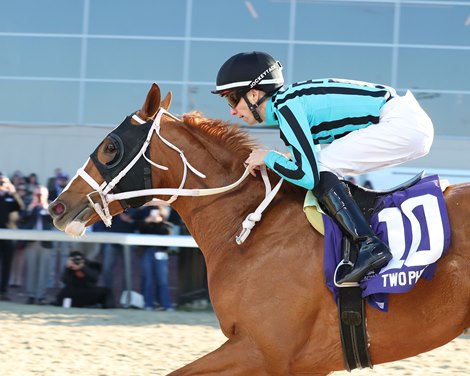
(363, 127)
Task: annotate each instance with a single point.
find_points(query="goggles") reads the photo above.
(234, 97)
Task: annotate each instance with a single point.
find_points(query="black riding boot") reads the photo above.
(336, 199)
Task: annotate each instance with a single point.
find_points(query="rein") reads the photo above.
(106, 197)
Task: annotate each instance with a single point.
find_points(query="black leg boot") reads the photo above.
(336, 199)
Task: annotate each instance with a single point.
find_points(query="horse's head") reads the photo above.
(118, 164)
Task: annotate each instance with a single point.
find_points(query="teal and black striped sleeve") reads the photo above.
(302, 169)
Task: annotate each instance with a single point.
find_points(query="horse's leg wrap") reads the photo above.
(336, 199)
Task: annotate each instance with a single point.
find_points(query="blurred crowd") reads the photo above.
(78, 274)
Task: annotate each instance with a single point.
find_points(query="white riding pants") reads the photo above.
(403, 133)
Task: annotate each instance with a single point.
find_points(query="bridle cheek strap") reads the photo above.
(102, 211)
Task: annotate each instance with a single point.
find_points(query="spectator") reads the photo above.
(25, 194)
(51, 182)
(38, 254)
(80, 277)
(17, 275)
(31, 182)
(59, 255)
(122, 223)
(61, 249)
(155, 260)
(10, 202)
(18, 178)
(18, 263)
(91, 251)
(61, 181)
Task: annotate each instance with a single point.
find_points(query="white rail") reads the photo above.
(101, 237)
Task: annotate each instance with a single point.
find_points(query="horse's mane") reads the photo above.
(225, 133)
(232, 137)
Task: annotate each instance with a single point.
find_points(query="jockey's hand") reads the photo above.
(256, 160)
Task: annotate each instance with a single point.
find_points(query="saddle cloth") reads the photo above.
(415, 224)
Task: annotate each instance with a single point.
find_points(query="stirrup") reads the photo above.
(342, 263)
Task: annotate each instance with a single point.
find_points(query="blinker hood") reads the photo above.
(128, 140)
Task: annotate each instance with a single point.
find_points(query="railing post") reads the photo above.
(127, 273)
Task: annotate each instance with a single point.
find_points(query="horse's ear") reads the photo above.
(152, 103)
(166, 102)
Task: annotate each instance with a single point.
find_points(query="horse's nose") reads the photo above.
(57, 208)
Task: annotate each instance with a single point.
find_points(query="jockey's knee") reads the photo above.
(423, 138)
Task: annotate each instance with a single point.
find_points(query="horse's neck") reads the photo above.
(215, 220)
(208, 217)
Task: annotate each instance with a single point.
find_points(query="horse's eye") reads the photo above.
(110, 148)
(111, 152)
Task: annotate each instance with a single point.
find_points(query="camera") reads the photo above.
(77, 260)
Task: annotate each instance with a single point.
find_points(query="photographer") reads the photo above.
(80, 277)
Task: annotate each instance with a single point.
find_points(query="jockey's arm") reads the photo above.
(299, 166)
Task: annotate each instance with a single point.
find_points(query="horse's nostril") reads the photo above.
(58, 208)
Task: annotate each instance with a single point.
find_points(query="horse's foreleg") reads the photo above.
(236, 357)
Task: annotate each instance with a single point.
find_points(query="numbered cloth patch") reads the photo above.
(415, 224)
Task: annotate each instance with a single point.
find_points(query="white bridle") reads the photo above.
(106, 197)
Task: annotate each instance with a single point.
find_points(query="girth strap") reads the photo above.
(352, 323)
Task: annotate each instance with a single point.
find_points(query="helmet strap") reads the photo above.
(254, 106)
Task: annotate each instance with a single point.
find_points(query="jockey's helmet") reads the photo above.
(249, 70)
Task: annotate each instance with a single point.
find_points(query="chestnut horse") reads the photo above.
(268, 293)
